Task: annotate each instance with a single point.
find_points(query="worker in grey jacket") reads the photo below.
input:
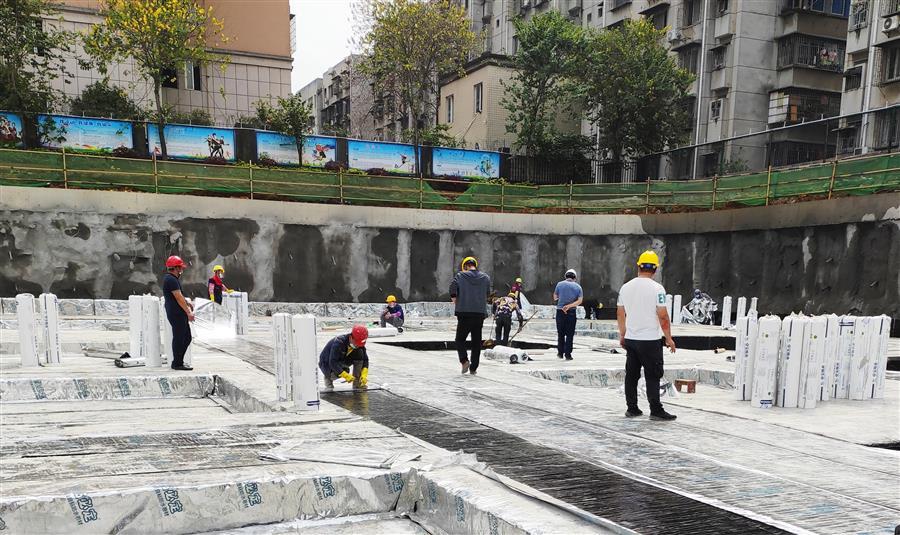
(469, 292)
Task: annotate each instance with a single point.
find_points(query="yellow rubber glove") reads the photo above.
(364, 377)
(229, 291)
(347, 377)
(212, 297)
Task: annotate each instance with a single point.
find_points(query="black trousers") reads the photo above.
(647, 354)
(565, 331)
(504, 324)
(591, 309)
(181, 337)
(466, 325)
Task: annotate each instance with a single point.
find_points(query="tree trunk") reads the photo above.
(160, 124)
(299, 141)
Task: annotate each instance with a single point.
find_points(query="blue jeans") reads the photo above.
(565, 331)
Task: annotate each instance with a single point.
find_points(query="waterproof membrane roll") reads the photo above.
(676, 309)
(860, 380)
(744, 355)
(883, 327)
(28, 339)
(50, 328)
(790, 355)
(765, 367)
(726, 312)
(812, 369)
(846, 341)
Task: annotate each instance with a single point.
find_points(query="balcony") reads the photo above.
(789, 107)
(890, 7)
(616, 4)
(859, 16)
(811, 52)
(837, 8)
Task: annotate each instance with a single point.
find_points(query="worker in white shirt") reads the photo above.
(644, 328)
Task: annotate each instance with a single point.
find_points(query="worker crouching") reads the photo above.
(342, 352)
(392, 314)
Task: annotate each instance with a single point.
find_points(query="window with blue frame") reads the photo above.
(840, 8)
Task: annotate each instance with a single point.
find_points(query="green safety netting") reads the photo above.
(858, 176)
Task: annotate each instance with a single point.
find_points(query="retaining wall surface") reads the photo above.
(99, 245)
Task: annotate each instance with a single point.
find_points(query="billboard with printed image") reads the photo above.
(280, 148)
(465, 163)
(394, 158)
(11, 130)
(83, 134)
(193, 142)
(318, 150)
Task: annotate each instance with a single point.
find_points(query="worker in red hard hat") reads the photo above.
(179, 311)
(342, 352)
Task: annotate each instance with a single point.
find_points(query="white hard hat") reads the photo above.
(572, 273)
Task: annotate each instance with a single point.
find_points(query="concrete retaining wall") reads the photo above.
(825, 256)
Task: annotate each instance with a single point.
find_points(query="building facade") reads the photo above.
(259, 66)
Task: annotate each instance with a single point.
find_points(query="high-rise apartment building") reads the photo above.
(259, 66)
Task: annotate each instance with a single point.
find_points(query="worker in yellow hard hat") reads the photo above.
(216, 285)
(392, 314)
(643, 329)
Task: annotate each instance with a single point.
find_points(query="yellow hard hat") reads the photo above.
(648, 258)
(391, 299)
(217, 267)
(519, 280)
(467, 260)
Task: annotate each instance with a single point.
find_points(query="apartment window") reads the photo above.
(795, 152)
(192, 76)
(693, 10)
(887, 129)
(659, 18)
(859, 15)
(589, 18)
(890, 7)
(790, 106)
(498, 23)
(808, 51)
(479, 97)
(450, 109)
(853, 79)
(721, 7)
(616, 4)
(715, 110)
(600, 10)
(515, 44)
(689, 58)
(718, 57)
(890, 65)
(841, 8)
(169, 78)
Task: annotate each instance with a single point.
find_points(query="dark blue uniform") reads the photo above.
(181, 328)
(337, 356)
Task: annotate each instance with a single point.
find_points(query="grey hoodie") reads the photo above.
(471, 289)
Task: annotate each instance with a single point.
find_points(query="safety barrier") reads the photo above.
(854, 176)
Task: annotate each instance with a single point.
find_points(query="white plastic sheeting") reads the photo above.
(296, 360)
(100, 388)
(381, 332)
(765, 366)
(744, 353)
(50, 328)
(505, 353)
(28, 340)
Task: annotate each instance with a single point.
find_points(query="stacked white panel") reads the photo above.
(50, 329)
(741, 307)
(793, 338)
(305, 370)
(726, 312)
(676, 309)
(135, 305)
(882, 332)
(744, 357)
(281, 332)
(28, 339)
(150, 343)
(669, 304)
(812, 369)
(765, 366)
(846, 340)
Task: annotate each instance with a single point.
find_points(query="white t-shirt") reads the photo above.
(641, 297)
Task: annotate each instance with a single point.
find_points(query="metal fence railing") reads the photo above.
(853, 176)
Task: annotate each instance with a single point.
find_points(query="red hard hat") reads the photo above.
(358, 335)
(174, 261)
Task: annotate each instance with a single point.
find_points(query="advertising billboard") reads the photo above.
(465, 163)
(391, 157)
(318, 151)
(193, 142)
(11, 128)
(277, 147)
(84, 134)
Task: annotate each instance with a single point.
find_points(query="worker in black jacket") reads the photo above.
(469, 292)
(342, 352)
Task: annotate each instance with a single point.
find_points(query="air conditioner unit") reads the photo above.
(674, 35)
(891, 24)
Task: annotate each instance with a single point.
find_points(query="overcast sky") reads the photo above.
(324, 29)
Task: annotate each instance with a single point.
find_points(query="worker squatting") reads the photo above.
(641, 313)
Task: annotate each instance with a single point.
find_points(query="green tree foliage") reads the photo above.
(547, 60)
(103, 100)
(407, 45)
(634, 90)
(158, 35)
(31, 56)
(437, 136)
(291, 116)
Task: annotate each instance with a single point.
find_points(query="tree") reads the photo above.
(159, 35)
(436, 136)
(31, 56)
(291, 116)
(408, 45)
(634, 90)
(546, 64)
(103, 100)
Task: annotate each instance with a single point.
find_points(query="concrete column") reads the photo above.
(765, 364)
(50, 328)
(726, 312)
(744, 355)
(676, 309)
(28, 345)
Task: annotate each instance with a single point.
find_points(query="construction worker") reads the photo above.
(392, 314)
(503, 311)
(516, 289)
(469, 291)
(179, 311)
(216, 286)
(342, 352)
(568, 295)
(643, 329)
(592, 308)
